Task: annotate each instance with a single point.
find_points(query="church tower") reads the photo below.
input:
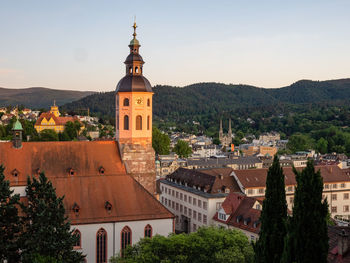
(133, 100)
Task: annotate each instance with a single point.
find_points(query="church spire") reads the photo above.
(134, 60)
(221, 131)
(229, 127)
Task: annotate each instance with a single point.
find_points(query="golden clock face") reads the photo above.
(139, 101)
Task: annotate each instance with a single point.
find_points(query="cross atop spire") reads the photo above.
(134, 26)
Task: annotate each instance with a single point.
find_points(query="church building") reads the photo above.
(225, 139)
(109, 186)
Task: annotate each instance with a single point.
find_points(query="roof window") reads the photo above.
(101, 170)
(71, 171)
(15, 173)
(108, 206)
(76, 208)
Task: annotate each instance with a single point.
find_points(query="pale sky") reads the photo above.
(81, 44)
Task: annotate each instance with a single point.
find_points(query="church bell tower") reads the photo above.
(133, 100)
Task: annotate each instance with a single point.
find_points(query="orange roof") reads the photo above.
(87, 187)
(257, 177)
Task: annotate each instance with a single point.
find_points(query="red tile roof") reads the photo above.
(257, 177)
(240, 206)
(87, 187)
(58, 120)
(334, 233)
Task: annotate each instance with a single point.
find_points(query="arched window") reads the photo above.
(138, 122)
(148, 231)
(130, 70)
(77, 235)
(126, 102)
(126, 122)
(148, 102)
(148, 122)
(101, 246)
(125, 238)
(136, 70)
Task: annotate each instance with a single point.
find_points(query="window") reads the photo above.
(166, 202)
(218, 205)
(136, 70)
(334, 186)
(334, 209)
(326, 186)
(190, 199)
(205, 205)
(250, 191)
(162, 199)
(194, 201)
(194, 214)
(185, 210)
(138, 122)
(291, 200)
(261, 190)
(346, 196)
(126, 102)
(173, 193)
(148, 102)
(334, 196)
(126, 122)
(181, 208)
(177, 194)
(222, 216)
(101, 246)
(166, 190)
(77, 235)
(205, 219)
(346, 208)
(185, 198)
(342, 185)
(177, 207)
(148, 122)
(199, 217)
(190, 212)
(125, 238)
(173, 204)
(258, 206)
(199, 203)
(148, 231)
(181, 196)
(290, 188)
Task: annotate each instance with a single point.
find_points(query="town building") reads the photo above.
(167, 164)
(52, 120)
(339, 244)
(225, 139)
(336, 187)
(236, 163)
(205, 151)
(195, 196)
(108, 186)
(240, 212)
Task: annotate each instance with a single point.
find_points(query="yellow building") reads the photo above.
(52, 121)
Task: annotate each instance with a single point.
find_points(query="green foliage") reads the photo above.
(182, 149)
(47, 231)
(307, 239)
(322, 145)
(299, 142)
(10, 226)
(72, 129)
(269, 247)
(160, 142)
(44, 259)
(48, 135)
(212, 245)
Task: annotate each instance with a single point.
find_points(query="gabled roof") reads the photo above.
(239, 206)
(334, 233)
(75, 171)
(58, 120)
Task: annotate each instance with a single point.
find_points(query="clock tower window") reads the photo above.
(138, 122)
(126, 102)
(148, 118)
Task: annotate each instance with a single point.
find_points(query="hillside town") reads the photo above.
(78, 188)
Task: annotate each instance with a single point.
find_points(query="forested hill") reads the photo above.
(39, 97)
(205, 99)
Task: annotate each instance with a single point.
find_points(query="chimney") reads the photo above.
(343, 243)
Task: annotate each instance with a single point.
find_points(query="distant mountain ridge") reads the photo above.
(215, 98)
(38, 97)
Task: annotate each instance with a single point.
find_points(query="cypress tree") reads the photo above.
(269, 247)
(47, 231)
(9, 221)
(307, 239)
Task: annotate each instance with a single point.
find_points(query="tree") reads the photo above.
(322, 145)
(9, 221)
(182, 149)
(307, 238)
(299, 142)
(48, 135)
(72, 129)
(207, 245)
(160, 142)
(47, 231)
(269, 247)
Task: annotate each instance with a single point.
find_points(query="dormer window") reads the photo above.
(72, 172)
(108, 206)
(101, 170)
(256, 223)
(222, 216)
(15, 173)
(76, 208)
(247, 221)
(239, 218)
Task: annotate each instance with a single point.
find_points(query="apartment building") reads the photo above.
(195, 196)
